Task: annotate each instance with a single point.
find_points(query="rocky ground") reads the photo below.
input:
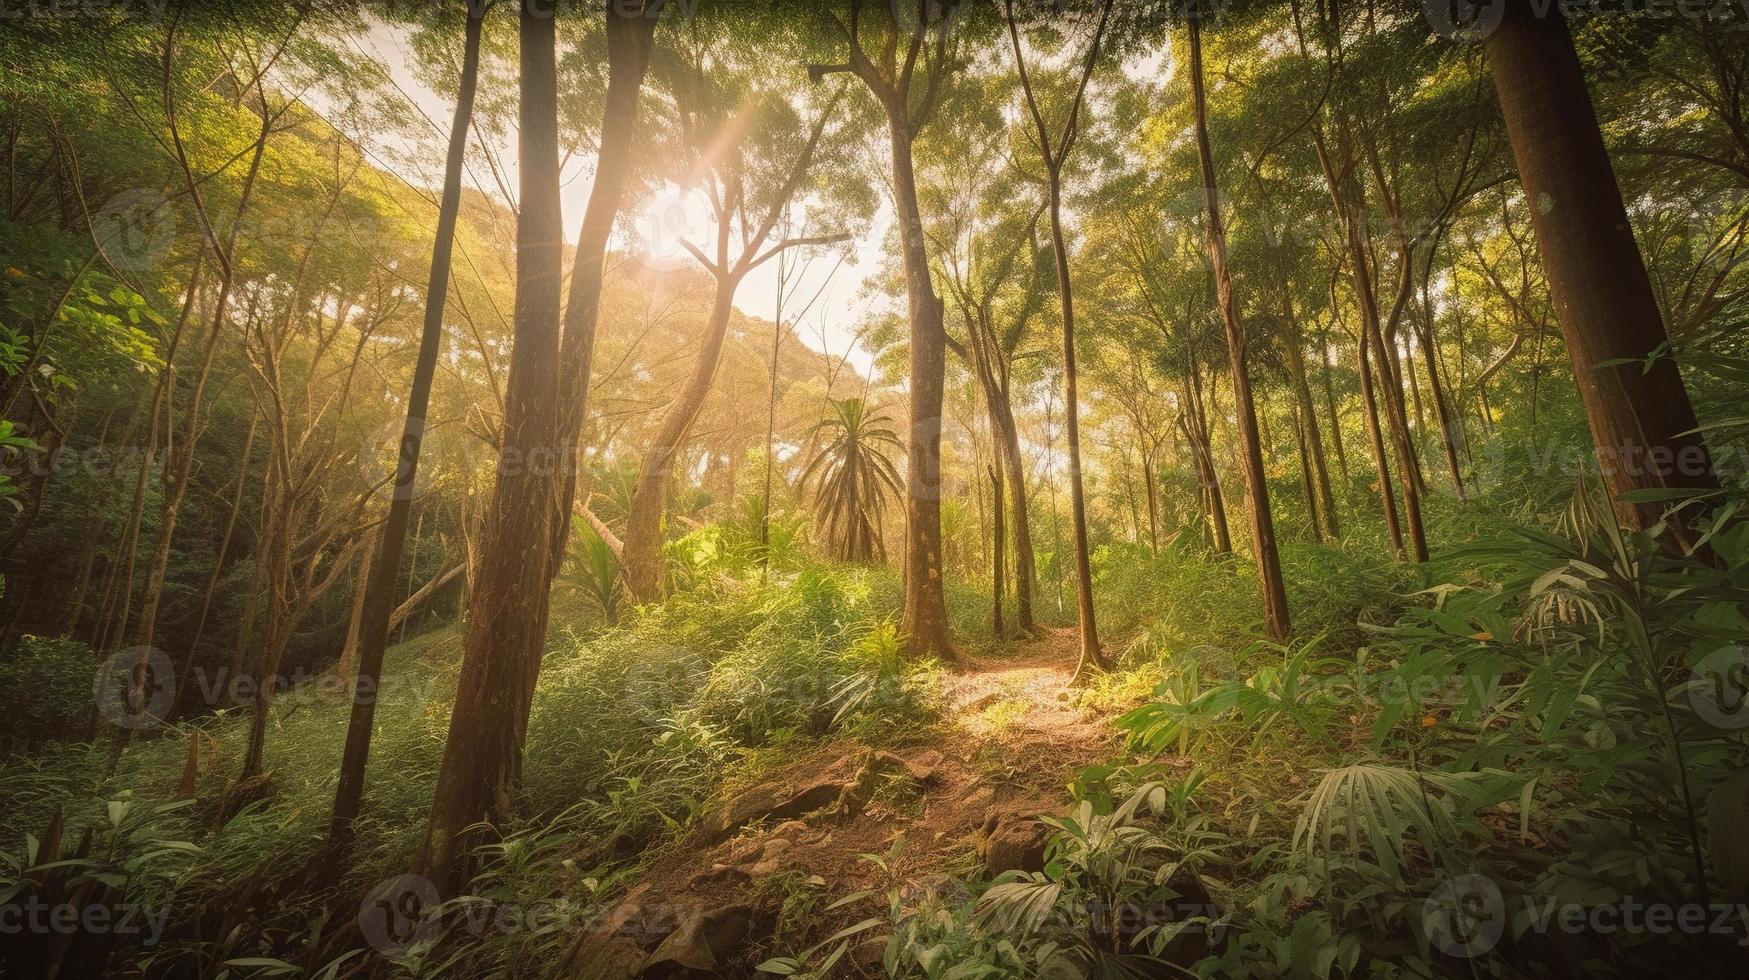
(967, 792)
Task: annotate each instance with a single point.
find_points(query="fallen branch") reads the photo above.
(614, 544)
(401, 611)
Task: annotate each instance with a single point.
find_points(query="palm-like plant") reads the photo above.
(853, 476)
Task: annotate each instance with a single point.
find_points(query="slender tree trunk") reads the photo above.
(1055, 154)
(243, 654)
(1275, 611)
(924, 621)
(1314, 444)
(1148, 455)
(1307, 480)
(118, 581)
(1330, 402)
(1091, 654)
(771, 426)
(631, 29)
(998, 561)
(370, 637)
(507, 615)
(641, 564)
(1387, 496)
(348, 665)
(1025, 564)
(278, 624)
(212, 584)
(1197, 433)
(1641, 419)
(1387, 384)
(1449, 427)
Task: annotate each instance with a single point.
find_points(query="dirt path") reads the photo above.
(1026, 692)
(1009, 740)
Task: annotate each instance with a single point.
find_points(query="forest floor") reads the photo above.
(786, 842)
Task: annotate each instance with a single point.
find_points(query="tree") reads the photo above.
(853, 475)
(383, 578)
(1641, 419)
(630, 32)
(482, 755)
(1054, 153)
(1275, 611)
(907, 85)
(744, 139)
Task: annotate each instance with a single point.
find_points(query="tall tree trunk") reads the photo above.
(1055, 153)
(347, 667)
(998, 561)
(640, 560)
(771, 426)
(1387, 496)
(1641, 419)
(1025, 564)
(507, 614)
(641, 564)
(1450, 433)
(1148, 450)
(1314, 441)
(1090, 651)
(371, 618)
(1196, 432)
(212, 584)
(924, 621)
(631, 29)
(1330, 399)
(1307, 480)
(1388, 388)
(243, 653)
(279, 535)
(1275, 611)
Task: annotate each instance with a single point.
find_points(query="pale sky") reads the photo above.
(830, 324)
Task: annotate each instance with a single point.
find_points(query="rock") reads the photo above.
(920, 766)
(744, 851)
(705, 944)
(719, 874)
(641, 918)
(624, 845)
(853, 794)
(771, 801)
(622, 941)
(791, 829)
(1014, 842)
(771, 858)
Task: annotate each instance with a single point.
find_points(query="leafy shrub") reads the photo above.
(45, 689)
